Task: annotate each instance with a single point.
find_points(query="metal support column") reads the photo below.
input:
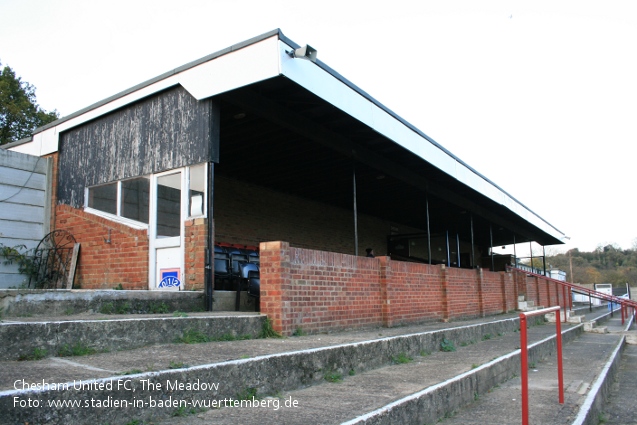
(473, 252)
(458, 249)
(209, 272)
(355, 212)
(491, 249)
(428, 230)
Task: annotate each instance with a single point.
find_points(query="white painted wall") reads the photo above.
(24, 206)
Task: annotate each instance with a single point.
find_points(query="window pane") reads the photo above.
(135, 195)
(197, 187)
(103, 198)
(169, 205)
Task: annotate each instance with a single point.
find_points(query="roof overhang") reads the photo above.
(263, 59)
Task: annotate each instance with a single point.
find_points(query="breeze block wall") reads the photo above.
(318, 291)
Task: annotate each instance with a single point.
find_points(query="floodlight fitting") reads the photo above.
(305, 52)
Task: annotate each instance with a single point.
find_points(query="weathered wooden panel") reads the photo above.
(169, 130)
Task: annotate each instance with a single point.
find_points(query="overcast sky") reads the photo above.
(539, 96)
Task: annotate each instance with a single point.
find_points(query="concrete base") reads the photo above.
(61, 302)
(564, 317)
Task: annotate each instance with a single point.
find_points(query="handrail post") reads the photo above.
(524, 370)
(565, 301)
(622, 308)
(560, 369)
(524, 365)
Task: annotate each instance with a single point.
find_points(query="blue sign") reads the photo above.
(169, 279)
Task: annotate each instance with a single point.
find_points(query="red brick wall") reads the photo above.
(103, 265)
(412, 292)
(320, 291)
(463, 293)
(317, 290)
(124, 260)
(195, 241)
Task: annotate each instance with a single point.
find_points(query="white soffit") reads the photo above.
(331, 89)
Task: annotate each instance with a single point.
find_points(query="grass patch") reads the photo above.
(486, 337)
(447, 345)
(267, 331)
(107, 308)
(402, 358)
(77, 349)
(247, 394)
(132, 372)
(158, 308)
(424, 353)
(192, 336)
(179, 314)
(352, 372)
(333, 377)
(177, 365)
(299, 332)
(37, 354)
(185, 411)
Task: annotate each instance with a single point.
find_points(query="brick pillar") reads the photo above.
(275, 276)
(519, 279)
(445, 296)
(516, 290)
(385, 296)
(479, 283)
(503, 282)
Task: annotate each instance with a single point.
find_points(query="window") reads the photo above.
(197, 188)
(130, 199)
(103, 198)
(169, 205)
(135, 197)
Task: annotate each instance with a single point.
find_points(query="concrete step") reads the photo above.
(267, 366)
(620, 409)
(410, 363)
(26, 303)
(38, 338)
(589, 362)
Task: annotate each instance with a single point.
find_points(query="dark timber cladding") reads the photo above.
(168, 130)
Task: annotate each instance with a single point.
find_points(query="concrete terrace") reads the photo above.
(381, 375)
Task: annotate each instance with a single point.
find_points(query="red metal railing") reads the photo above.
(524, 358)
(571, 286)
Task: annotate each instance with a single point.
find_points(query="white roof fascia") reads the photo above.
(253, 63)
(327, 86)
